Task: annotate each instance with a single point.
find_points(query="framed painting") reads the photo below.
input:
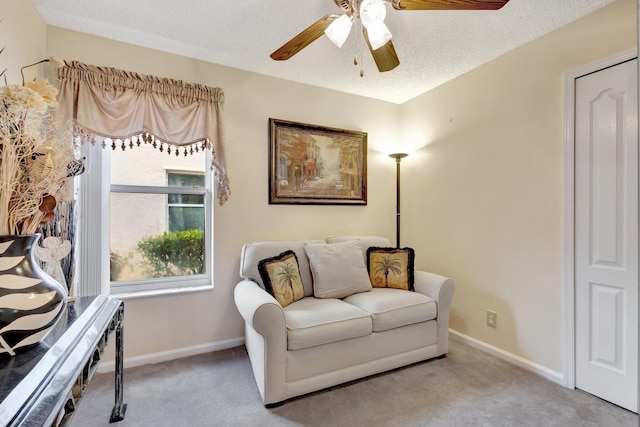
(316, 165)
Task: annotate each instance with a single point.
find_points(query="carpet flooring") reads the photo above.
(467, 388)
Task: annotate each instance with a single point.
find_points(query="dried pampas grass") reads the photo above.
(37, 158)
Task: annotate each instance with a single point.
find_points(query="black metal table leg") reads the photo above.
(119, 408)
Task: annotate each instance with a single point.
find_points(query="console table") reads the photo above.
(42, 386)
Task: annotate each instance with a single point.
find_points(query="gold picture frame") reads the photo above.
(316, 165)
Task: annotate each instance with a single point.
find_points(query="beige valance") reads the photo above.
(133, 109)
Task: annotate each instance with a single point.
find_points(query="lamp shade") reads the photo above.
(372, 12)
(338, 30)
(378, 35)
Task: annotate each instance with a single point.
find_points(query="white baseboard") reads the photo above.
(178, 353)
(549, 374)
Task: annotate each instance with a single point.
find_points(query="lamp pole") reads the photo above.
(398, 157)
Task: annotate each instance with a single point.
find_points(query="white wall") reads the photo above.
(486, 192)
(481, 202)
(23, 37)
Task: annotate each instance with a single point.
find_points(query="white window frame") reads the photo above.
(94, 190)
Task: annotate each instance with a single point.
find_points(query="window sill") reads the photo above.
(161, 292)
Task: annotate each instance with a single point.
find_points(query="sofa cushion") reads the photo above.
(338, 269)
(365, 241)
(393, 308)
(313, 321)
(391, 267)
(281, 277)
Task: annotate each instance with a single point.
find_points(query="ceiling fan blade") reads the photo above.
(448, 4)
(304, 39)
(385, 57)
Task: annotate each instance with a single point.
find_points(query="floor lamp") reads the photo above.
(398, 157)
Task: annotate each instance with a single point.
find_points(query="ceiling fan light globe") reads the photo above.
(379, 35)
(338, 30)
(372, 12)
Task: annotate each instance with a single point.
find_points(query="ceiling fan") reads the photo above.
(372, 14)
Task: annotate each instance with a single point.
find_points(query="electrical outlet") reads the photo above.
(492, 319)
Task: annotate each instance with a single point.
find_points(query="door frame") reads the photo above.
(568, 208)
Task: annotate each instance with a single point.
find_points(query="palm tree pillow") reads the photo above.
(281, 277)
(391, 267)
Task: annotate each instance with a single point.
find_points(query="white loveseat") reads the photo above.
(315, 343)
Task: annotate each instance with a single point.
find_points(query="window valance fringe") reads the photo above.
(143, 138)
(131, 109)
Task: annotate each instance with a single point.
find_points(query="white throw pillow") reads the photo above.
(338, 269)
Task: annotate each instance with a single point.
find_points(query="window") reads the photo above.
(158, 232)
(185, 211)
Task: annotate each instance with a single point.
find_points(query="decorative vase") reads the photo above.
(31, 302)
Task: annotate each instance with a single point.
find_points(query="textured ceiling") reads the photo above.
(433, 46)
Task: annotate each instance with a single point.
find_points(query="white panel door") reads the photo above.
(606, 234)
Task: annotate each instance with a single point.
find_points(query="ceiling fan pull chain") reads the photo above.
(360, 49)
(358, 45)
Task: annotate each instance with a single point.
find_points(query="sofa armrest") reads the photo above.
(439, 288)
(265, 338)
(260, 310)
